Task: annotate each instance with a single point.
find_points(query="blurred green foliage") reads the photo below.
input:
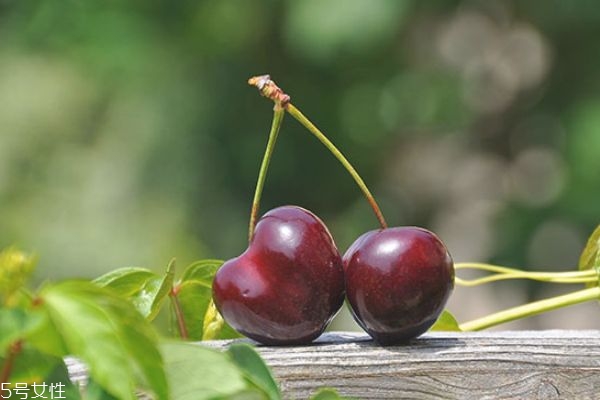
(128, 134)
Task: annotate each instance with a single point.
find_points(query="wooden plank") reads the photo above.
(481, 365)
(484, 365)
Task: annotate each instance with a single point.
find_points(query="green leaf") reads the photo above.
(164, 289)
(327, 394)
(202, 319)
(197, 373)
(125, 281)
(15, 324)
(47, 337)
(45, 376)
(255, 370)
(590, 256)
(109, 335)
(144, 288)
(194, 298)
(213, 322)
(139, 285)
(215, 327)
(30, 365)
(227, 332)
(93, 391)
(446, 322)
(194, 294)
(202, 271)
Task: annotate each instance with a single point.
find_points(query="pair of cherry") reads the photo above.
(291, 281)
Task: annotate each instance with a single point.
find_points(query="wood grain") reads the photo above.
(485, 365)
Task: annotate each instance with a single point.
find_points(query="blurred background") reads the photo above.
(128, 134)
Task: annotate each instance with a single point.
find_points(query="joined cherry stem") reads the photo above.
(269, 89)
(297, 114)
(590, 277)
(505, 273)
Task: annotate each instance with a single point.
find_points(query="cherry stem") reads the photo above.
(278, 113)
(269, 89)
(504, 273)
(297, 114)
(531, 309)
(13, 351)
(183, 332)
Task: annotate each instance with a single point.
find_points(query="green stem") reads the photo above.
(504, 273)
(294, 112)
(278, 113)
(531, 309)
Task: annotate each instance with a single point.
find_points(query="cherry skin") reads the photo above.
(288, 284)
(397, 282)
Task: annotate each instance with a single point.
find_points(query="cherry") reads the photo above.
(397, 279)
(397, 282)
(289, 283)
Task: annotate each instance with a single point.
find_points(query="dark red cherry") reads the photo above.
(288, 285)
(397, 282)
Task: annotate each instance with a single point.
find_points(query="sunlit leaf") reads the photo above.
(144, 288)
(109, 335)
(202, 271)
(255, 370)
(125, 281)
(446, 322)
(213, 322)
(198, 373)
(215, 327)
(46, 337)
(590, 256)
(165, 287)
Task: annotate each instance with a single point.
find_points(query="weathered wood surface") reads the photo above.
(485, 365)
